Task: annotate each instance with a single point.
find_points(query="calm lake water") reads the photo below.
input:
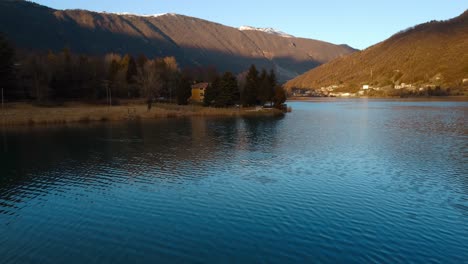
(334, 181)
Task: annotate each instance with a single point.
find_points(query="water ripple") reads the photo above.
(380, 181)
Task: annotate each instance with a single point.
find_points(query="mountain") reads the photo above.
(192, 41)
(431, 53)
(267, 30)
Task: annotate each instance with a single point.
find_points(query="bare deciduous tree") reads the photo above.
(148, 80)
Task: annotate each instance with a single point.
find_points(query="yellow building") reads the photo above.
(198, 92)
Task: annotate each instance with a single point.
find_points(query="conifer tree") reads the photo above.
(264, 87)
(212, 92)
(272, 78)
(7, 55)
(183, 91)
(273, 84)
(249, 94)
(228, 90)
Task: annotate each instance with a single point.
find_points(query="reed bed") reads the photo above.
(27, 114)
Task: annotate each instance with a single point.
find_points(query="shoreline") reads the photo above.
(25, 114)
(390, 98)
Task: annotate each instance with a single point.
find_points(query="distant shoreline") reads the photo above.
(430, 98)
(24, 114)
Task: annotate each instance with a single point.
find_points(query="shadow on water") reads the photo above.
(374, 181)
(38, 160)
(5, 142)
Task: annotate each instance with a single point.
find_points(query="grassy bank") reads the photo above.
(26, 114)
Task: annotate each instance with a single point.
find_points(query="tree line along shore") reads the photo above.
(55, 87)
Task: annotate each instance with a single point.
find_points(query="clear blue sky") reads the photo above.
(359, 23)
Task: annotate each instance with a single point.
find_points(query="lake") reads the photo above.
(334, 181)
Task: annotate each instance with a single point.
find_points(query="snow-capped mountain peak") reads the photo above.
(138, 15)
(267, 30)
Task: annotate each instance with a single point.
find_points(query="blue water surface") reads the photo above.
(335, 181)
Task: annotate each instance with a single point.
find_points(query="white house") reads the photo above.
(365, 87)
(403, 86)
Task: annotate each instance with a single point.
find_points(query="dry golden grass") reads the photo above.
(431, 53)
(27, 114)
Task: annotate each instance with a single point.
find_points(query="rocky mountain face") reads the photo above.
(433, 53)
(193, 41)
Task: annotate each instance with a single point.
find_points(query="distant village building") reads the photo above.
(365, 87)
(331, 87)
(198, 92)
(403, 86)
(465, 80)
(341, 94)
(297, 92)
(303, 92)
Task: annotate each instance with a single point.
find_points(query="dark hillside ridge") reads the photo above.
(193, 41)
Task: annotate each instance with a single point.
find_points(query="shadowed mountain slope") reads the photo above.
(192, 41)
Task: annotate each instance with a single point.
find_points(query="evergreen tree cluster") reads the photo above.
(223, 91)
(259, 88)
(262, 88)
(6, 64)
